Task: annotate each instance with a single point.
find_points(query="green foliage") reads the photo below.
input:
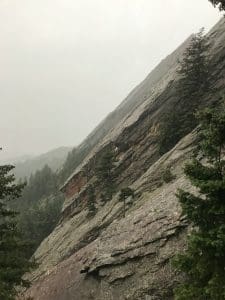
(204, 260)
(194, 68)
(91, 202)
(219, 3)
(13, 249)
(39, 219)
(167, 175)
(193, 83)
(39, 206)
(105, 174)
(125, 193)
(40, 185)
(123, 146)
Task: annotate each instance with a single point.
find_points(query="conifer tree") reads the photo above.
(194, 68)
(204, 260)
(13, 249)
(193, 83)
(105, 174)
(39, 219)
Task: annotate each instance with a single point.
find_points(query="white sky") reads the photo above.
(65, 64)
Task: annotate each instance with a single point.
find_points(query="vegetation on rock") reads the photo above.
(204, 260)
(105, 174)
(193, 83)
(167, 175)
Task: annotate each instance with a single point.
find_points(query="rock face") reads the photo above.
(110, 256)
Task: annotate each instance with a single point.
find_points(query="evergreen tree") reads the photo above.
(91, 202)
(204, 260)
(39, 206)
(219, 3)
(194, 68)
(193, 83)
(13, 249)
(40, 185)
(105, 174)
(39, 219)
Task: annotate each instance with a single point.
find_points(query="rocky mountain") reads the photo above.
(54, 159)
(110, 256)
(132, 106)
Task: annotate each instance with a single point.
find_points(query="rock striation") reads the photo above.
(110, 256)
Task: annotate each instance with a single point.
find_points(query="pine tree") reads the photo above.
(194, 67)
(39, 219)
(105, 174)
(193, 83)
(204, 260)
(219, 3)
(40, 185)
(13, 249)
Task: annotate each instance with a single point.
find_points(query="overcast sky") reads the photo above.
(65, 64)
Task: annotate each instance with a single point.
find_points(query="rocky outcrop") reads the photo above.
(131, 107)
(110, 256)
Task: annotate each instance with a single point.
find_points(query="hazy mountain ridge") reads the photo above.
(108, 256)
(131, 107)
(54, 159)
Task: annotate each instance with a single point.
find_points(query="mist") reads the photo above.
(66, 64)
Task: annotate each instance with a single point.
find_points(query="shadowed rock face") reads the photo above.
(112, 257)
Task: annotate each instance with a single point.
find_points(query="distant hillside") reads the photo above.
(54, 159)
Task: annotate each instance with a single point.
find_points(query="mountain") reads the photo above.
(132, 106)
(111, 255)
(16, 159)
(54, 159)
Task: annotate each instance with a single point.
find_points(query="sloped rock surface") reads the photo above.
(128, 258)
(111, 257)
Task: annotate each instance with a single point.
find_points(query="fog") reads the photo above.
(65, 64)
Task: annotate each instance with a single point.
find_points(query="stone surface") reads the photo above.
(109, 256)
